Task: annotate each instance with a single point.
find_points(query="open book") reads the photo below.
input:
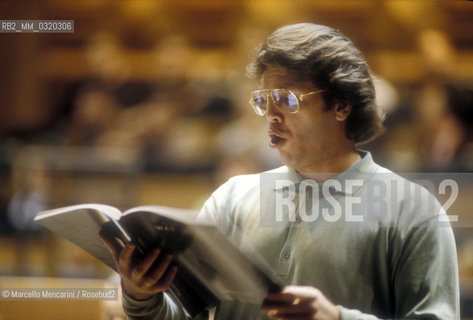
(211, 268)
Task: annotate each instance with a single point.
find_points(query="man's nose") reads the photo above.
(273, 113)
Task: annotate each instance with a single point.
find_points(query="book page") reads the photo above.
(81, 225)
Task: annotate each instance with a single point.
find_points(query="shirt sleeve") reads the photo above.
(424, 275)
(160, 306)
(426, 272)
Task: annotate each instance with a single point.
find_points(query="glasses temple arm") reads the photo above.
(301, 96)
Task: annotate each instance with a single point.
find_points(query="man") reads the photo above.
(318, 99)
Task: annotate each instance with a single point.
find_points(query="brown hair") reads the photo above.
(330, 60)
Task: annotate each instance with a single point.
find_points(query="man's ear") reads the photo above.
(342, 111)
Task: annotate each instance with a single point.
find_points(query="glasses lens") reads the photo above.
(286, 100)
(258, 102)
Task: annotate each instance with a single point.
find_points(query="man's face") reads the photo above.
(306, 140)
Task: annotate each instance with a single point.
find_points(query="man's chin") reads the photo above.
(287, 160)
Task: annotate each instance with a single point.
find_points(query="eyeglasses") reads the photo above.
(285, 100)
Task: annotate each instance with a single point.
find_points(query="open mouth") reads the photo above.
(275, 140)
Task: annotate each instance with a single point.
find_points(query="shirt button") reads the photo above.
(287, 256)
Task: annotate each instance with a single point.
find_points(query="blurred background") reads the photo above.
(147, 103)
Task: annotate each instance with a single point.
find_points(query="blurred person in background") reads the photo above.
(318, 98)
(31, 184)
(431, 128)
(446, 98)
(94, 112)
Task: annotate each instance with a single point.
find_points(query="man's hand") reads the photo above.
(298, 302)
(145, 277)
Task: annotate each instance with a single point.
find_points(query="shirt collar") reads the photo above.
(351, 180)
